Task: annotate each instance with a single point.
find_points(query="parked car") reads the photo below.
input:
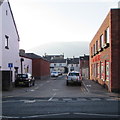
(74, 77)
(54, 74)
(25, 80)
(60, 73)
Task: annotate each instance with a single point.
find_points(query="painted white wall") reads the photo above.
(58, 64)
(58, 67)
(10, 55)
(0, 36)
(76, 68)
(26, 63)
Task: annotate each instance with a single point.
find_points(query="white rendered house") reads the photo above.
(9, 40)
(58, 65)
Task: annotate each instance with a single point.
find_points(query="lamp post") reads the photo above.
(21, 60)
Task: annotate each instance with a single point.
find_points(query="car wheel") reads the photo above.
(33, 83)
(79, 84)
(67, 83)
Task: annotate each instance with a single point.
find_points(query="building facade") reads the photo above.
(73, 64)
(84, 66)
(9, 44)
(105, 53)
(40, 66)
(59, 65)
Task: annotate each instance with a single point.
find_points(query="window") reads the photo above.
(60, 65)
(54, 64)
(6, 42)
(102, 71)
(107, 71)
(107, 38)
(94, 49)
(96, 46)
(6, 12)
(95, 70)
(98, 70)
(101, 41)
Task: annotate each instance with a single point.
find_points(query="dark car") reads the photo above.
(25, 80)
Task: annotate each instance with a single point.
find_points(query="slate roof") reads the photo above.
(73, 60)
(58, 61)
(31, 56)
(50, 57)
(85, 57)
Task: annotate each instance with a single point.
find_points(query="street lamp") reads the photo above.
(21, 60)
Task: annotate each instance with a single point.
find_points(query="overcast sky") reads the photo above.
(44, 21)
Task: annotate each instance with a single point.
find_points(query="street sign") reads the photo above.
(10, 65)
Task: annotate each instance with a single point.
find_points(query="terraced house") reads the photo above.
(9, 45)
(105, 52)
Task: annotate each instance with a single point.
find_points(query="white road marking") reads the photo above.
(85, 87)
(52, 97)
(36, 116)
(94, 99)
(97, 114)
(32, 90)
(55, 89)
(29, 101)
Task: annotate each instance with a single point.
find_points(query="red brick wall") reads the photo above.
(115, 49)
(41, 68)
(112, 53)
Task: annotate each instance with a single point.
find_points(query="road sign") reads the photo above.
(10, 65)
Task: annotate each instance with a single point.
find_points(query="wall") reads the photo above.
(10, 55)
(26, 65)
(1, 37)
(76, 68)
(40, 68)
(115, 49)
(58, 67)
(110, 54)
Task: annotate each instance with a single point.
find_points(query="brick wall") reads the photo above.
(41, 68)
(115, 49)
(112, 53)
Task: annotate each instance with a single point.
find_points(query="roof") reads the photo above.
(31, 56)
(58, 61)
(13, 20)
(73, 60)
(85, 57)
(50, 57)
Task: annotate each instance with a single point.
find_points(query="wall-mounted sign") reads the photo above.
(96, 58)
(10, 65)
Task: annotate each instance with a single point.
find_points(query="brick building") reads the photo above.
(105, 53)
(40, 66)
(84, 66)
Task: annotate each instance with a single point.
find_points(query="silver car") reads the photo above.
(74, 77)
(54, 74)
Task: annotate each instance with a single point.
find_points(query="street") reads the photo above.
(53, 99)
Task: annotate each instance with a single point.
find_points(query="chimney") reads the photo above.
(22, 51)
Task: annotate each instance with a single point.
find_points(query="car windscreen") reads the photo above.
(22, 76)
(73, 74)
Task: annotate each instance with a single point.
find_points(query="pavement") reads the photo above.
(95, 89)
